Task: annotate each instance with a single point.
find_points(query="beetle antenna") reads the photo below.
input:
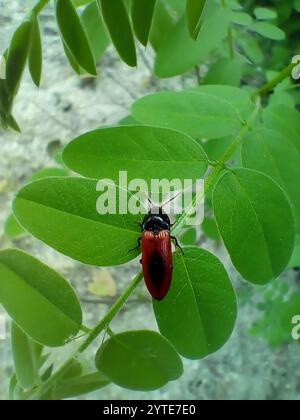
(171, 199)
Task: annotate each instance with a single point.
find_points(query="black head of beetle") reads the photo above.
(156, 221)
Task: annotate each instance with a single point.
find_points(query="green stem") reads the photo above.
(43, 389)
(217, 170)
(111, 313)
(273, 83)
(85, 329)
(39, 6)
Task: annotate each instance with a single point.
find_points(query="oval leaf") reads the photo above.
(268, 30)
(13, 229)
(235, 97)
(17, 57)
(161, 24)
(144, 152)
(285, 120)
(179, 53)
(270, 152)
(201, 295)
(199, 114)
(38, 299)
(139, 360)
(74, 35)
(79, 386)
(62, 212)
(118, 23)
(142, 15)
(95, 29)
(35, 52)
(295, 260)
(26, 354)
(256, 223)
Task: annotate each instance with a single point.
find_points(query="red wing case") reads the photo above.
(157, 262)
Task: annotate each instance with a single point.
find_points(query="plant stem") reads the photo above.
(217, 170)
(111, 313)
(286, 72)
(44, 388)
(39, 6)
(85, 329)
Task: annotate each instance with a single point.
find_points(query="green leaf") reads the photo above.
(210, 228)
(13, 385)
(74, 370)
(179, 53)
(26, 354)
(268, 30)
(12, 123)
(198, 314)
(79, 3)
(48, 173)
(72, 61)
(79, 386)
(285, 120)
(270, 152)
(62, 212)
(13, 229)
(194, 12)
(35, 52)
(297, 5)
(281, 97)
(189, 237)
(101, 154)
(38, 299)
(17, 57)
(251, 48)
(264, 13)
(199, 113)
(237, 99)
(74, 35)
(256, 223)
(226, 71)
(295, 260)
(161, 24)
(118, 23)
(47, 374)
(142, 15)
(129, 120)
(95, 29)
(139, 360)
(240, 18)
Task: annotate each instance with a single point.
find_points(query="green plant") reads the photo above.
(233, 137)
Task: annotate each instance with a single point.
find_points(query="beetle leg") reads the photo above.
(177, 244)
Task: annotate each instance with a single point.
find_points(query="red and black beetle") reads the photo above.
(157, 260)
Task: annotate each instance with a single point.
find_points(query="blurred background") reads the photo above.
(261, 360)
